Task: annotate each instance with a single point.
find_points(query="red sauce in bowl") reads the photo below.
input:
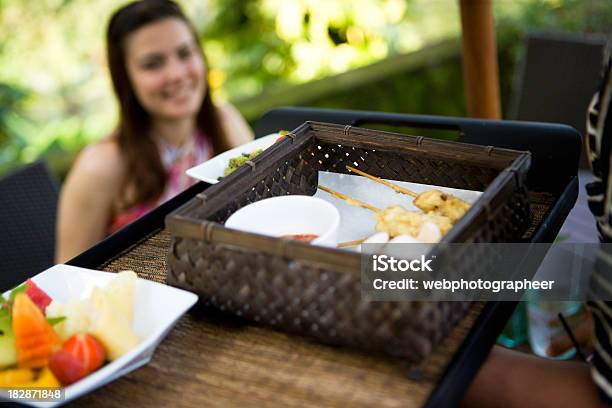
(301, 237)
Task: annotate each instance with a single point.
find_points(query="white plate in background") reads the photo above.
(157, 308)
(212, 169)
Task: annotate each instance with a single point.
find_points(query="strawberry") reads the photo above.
(80, 355)
(37, 295)
(66, 367)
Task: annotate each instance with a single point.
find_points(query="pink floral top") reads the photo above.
(176, 161)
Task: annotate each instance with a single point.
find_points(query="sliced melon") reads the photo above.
(8, 353)
(35, 339)
(112, 329)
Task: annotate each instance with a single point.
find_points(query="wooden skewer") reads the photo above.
(349, 200)
(350, 243)
(395, 187)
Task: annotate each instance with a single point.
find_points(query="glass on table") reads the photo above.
(545, 325)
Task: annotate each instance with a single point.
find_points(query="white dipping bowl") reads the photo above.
(287, 215)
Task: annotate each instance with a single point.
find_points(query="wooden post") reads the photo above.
(480, 71)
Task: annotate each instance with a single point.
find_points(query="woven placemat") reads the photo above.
(147, 257)
(540, 203)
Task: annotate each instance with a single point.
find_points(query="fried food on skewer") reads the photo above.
(445, 204)
(396, 220)
(430, 201)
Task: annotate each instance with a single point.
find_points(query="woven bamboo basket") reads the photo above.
(315, 291)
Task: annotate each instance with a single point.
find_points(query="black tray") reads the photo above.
(554, 169)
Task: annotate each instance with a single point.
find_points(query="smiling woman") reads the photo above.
(168, 123)
(166, 69)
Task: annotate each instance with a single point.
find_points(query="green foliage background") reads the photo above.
(55, 94)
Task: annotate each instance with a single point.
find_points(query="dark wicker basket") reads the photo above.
(316, 291)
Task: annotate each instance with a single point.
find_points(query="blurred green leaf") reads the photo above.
(55, 320)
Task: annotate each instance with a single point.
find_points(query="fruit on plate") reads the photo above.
(76, 313)
(114, 330)
(81, 355)
(10, 378)
(35, 339)
(94, 329)
(38, 296)
(8, 353)
(28, 378)
(45, 379)
(120, 293)
(107, 314)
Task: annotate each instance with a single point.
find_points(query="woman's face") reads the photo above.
(166, 69)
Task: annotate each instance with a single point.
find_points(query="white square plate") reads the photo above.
(212, 169)
(157, 308)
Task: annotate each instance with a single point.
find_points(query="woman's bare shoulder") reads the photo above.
(100, 163)
(87, 198)
(228, 111)
(234, 124)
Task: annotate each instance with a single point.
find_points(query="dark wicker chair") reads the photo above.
(557, 78)
(28, 204)
(555, 83)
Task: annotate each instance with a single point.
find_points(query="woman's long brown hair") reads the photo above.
(145, 171)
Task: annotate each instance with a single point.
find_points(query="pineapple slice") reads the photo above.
(120, 292)
(109, 326)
